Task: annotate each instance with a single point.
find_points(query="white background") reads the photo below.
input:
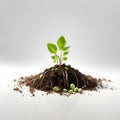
(91, 28)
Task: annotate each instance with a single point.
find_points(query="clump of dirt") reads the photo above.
(61, 76)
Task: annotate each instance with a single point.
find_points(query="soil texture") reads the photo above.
(59, 76)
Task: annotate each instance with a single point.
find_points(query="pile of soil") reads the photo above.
(61, 76)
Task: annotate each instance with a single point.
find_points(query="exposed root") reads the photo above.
(66, 76)
(42, 79)
(63, 77)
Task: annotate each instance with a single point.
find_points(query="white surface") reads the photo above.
(90, 105)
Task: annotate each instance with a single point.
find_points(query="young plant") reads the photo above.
(73, 88)
(57, 89)
(65, 90)
(59, 50)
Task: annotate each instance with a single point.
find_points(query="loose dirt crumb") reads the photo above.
(17, 89)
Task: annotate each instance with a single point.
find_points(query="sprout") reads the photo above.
(54, 69)
(72, 86)
(65, 90)
(66, 68)
(57, 89)
(59, 51)
(76, 89)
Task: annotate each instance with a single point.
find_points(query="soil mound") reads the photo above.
(62, 77)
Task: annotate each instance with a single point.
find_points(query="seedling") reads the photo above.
(54, 69)
(57, 89)
(59, 50)
(65, 90)
(60, 78)
(66, 68)
(72, 86)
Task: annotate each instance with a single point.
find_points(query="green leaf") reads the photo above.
(52, 48)
(56, 56)
(61, 42)
(65, 53)
(64, 58)
(66, 48)
(53, 57)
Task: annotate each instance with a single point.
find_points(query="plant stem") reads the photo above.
(60, 58)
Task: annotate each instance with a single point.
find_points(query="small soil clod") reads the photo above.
(17, 89)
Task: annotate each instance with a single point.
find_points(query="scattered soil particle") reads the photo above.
(111, 88)
(18, 90)
(14, 80)
(61, 76)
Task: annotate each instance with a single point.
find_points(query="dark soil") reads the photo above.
(61, 76)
